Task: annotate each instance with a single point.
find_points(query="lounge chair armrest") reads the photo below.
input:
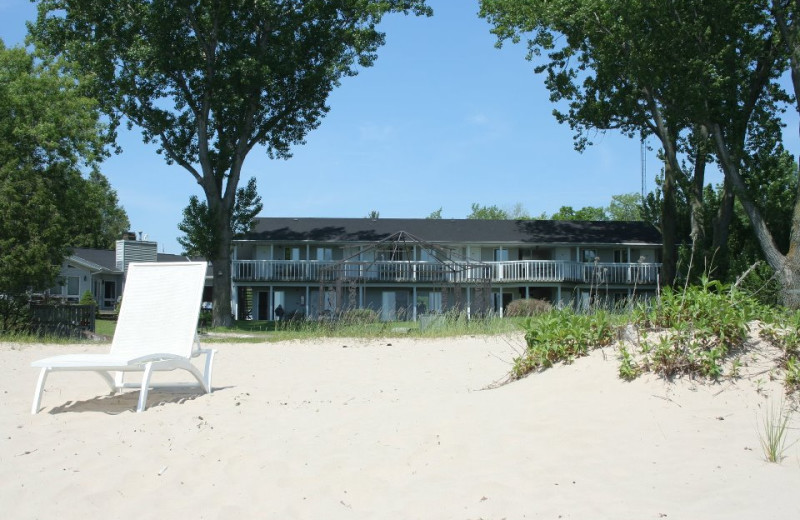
(154, 357)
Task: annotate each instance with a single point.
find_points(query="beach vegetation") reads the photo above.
(527, 307)
(561, 336)
(774, 430)
(628, 367)
(784, 333)
(695, 330)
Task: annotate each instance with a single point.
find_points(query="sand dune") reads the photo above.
(392, 428)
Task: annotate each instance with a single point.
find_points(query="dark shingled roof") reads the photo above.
(453, 230)
(107, 258)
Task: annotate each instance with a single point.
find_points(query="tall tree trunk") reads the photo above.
(722, 226)
(221, 315)
(787, 268)
(785, 14)
(221, 214)
(695, 195)
(791, 297)
(668, 226)
(669, 211)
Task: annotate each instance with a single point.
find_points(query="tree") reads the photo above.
(199, 238)
(487, 213)
(101, 220)
(626, 206)
(585, 213)
(48, 131)
(435, 215)
(210, 81)
(696, 74)
(518, 212)
(373, 215)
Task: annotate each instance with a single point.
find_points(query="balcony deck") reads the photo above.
(524, 271)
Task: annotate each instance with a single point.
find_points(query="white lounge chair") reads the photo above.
(156, 331)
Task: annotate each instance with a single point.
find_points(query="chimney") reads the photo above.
(131, 250)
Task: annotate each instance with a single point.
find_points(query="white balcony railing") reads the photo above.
(434, 272)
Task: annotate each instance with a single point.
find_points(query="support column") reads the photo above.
(469, 302)
(414, 303)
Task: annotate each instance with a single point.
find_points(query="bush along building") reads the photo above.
(404, 268)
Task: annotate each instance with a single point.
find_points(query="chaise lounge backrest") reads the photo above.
(160, 308)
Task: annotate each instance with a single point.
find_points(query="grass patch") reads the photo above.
(451, 325)
(356, 325)
(774, 427)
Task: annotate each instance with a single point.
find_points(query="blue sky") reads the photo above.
(443, 120)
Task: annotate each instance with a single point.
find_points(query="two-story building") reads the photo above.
(404, 267)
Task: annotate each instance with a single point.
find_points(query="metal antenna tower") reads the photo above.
(644, 167)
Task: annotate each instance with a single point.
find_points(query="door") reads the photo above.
(280, 300)
(389, 306)
(262, 306)
(109, 294)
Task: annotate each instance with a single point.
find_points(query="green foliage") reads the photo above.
(784, 333)
(628, 368)
(626, 206)
(586, 213)
(100, 220)
(200, 236)
(49, 131)
(487, 213)
(527, 307)
(359, 316)
(703, 77)
(210, 82)
(435, 215)
(694, 331)
(87, 298)
(562, 336)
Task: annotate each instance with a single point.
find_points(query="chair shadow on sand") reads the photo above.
(114, 404)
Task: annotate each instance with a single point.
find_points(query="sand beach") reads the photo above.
(391, 428)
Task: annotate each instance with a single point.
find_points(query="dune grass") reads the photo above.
(251, 331)
(259, 331)
(773, 433)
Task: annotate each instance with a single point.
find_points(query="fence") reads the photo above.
(62, 320)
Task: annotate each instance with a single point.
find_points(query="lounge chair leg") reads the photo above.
(37, 396)
(209, 367)
(119, 380)
(148, 369)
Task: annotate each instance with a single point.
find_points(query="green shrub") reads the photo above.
(562, 336)
(527, 307)
(695, 330)
(87, 298)
(359, 316)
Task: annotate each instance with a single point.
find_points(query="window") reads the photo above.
(73, 288)
(395, 254)
(501, 255)
(324, 254)
(621, 256)
(292, 253)
(589, 255)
